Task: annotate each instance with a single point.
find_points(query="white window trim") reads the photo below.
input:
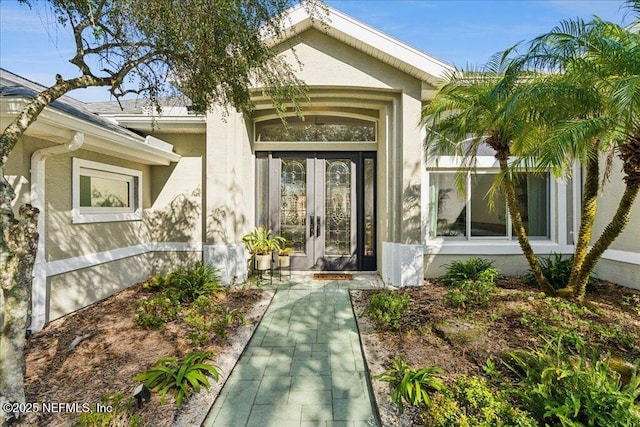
(91, 215)
(435, 244)
(257, 140)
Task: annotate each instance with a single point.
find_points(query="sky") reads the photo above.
(459, 32)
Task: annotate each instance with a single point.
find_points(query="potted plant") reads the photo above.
(260, 244)
(283, 257)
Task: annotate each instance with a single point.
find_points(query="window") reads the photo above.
(316, 129)
(103, 193)
(470, 215)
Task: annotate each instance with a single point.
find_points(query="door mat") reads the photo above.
(332, 276)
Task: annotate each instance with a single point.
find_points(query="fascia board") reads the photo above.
(422, 65)
(388, 45)
(193, 124)
(98, 139)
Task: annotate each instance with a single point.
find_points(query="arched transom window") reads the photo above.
(317, 128)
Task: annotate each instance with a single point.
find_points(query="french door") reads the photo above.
(322, 203)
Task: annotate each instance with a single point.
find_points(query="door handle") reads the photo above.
(311, 226)
(318, 226)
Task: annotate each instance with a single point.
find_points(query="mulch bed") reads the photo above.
(420, 345)
(112, 350)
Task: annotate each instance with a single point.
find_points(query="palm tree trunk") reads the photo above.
(587, 218)
(523, 238)
(610, 233)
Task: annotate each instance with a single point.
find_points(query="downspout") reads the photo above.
(39, 283)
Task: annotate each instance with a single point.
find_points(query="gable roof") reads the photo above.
(370, 41)
(14, 86)
(66, 113)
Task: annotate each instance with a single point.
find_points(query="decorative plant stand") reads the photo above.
(259, 266)
(284, 262)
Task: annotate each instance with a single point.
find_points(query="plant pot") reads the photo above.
(283, 260)
(263, 262)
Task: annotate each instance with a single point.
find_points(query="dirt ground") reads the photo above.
(502, 326)
(112, 349)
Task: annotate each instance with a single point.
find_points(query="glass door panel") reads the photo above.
(337, 207)
(320, 204)
(369, 208)
(293, 203)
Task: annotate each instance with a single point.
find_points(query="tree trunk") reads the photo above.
(587, 217)
(20, 242)
(629, 153)
(18, 246)
(523, 238)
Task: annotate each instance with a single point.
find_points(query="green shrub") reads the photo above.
(473, 403)
(455, 298)
(121, 414)
(411, 386)
(182, 377)
(387, 308)
(157, 311)
(557, 269)
(565, 384)
(471, 269)
(187, 284)
(470, 293)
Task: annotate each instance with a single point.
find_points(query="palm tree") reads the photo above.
(471, 109)
(596, 63)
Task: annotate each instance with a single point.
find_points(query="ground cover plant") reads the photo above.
(505, 371)
(387, 308)
(472, 402)
(113, 344)
(564, 382)
(123, 413)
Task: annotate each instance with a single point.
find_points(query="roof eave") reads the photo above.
(57, 126)
(168, 124)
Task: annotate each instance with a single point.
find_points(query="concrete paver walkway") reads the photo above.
(303, 365)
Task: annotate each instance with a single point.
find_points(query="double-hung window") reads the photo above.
(103, 193)
(471, 214)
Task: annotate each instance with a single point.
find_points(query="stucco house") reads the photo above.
(125, 195)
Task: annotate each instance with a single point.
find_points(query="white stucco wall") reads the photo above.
(621, 263)
(230, 193)
(88, 262)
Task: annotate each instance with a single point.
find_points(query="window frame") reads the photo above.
(346, 117)
(84, 214)
(509, 235)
